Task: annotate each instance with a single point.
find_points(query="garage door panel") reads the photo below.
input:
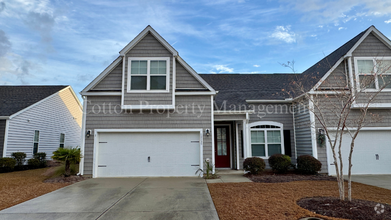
(370, 156)
(126, 154)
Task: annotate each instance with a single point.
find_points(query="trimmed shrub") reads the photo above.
(307, 164)
(33, 163)
(41, 156)
(20, 158)
(280, 163)
(7, 164)
(254, 165)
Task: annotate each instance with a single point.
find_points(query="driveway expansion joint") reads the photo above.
(119, 200)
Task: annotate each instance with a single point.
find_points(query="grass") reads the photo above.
(20, 186)
(278, 200)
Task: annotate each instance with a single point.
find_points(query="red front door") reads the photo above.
(222, 150)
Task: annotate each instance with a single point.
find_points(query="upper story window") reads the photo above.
(373, 73)
(148, 74)
(266, 139)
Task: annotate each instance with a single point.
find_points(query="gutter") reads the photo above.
(4, 117)
(270, 101)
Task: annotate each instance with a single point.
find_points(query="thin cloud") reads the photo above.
(256, 65)
(339, 10)
(388, 21)
(5, 44)
(223, 69)
(42, 23)
(284, 34)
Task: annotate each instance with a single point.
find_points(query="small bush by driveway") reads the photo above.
(17, 187)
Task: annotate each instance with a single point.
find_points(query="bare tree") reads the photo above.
(341, 106)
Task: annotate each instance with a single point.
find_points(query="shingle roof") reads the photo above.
(16, 98)
(313, 74)
(236, 88)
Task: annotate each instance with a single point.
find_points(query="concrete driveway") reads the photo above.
(383, 181)
(121, 198)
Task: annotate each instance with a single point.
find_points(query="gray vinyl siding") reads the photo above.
(337, 79)
(149, 46)
(281, 113)
(372, 47)
(185, 80)
(2, 136)
(112, 81)
(303, 130)
(51, 117)
(229, 117)
(113, 118)
(382, 97)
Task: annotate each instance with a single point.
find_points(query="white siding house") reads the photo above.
(44, 126)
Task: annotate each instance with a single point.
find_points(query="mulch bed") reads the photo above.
(17, 187)
(356, 209)
(276, 196)
(270, 177)
(63, 179)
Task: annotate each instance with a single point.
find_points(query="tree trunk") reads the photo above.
(350, 171)
(67, 168)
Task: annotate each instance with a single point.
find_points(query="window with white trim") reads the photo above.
(148, 74)
(62, 140)
(266, 140)
(373, 73)
(36, 141)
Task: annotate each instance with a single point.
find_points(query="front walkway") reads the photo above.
(229, 176)
(382, 181)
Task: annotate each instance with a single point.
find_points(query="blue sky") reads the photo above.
(71, 42)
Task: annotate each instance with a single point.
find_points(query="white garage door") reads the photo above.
(148, 154)
(371, 155)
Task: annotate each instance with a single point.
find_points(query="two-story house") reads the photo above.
(150, 114)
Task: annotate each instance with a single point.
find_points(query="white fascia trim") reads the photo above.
(101, 93)
(195, 74)
(212, 136)
(327, 74)
(328, 92)
(141, 35)
(173, 79)
(37, 103)
(7, 125)
(96, 141)
(232, 112)
(195, 93)
(4, 117)
(123, 81)
(372, 106)
(270, 101)
(83, 136)
(105, 72)
(148, 107)
(237, 145)
(313, 128)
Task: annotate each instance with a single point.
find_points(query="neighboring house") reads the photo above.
(150, 114)
(38, 119)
